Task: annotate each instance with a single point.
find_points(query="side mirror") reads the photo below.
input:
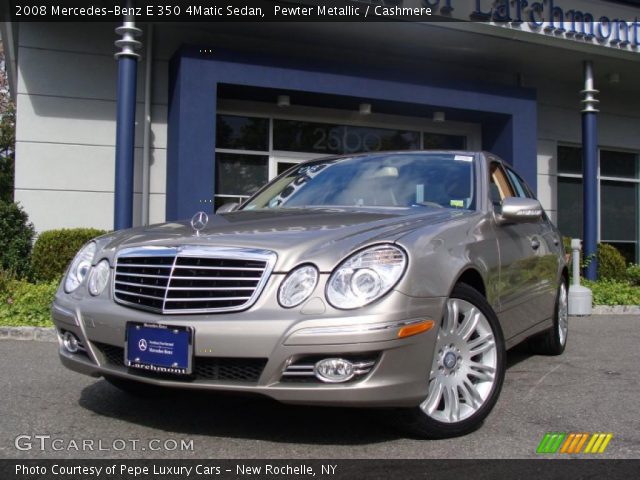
(227, 207)
(517, 209)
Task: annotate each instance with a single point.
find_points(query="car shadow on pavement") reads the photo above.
(239, 416)
(249, 416)
(518, 354)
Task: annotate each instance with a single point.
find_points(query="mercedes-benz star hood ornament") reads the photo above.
(199, 221)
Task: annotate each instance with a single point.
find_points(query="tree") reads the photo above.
(7, 134)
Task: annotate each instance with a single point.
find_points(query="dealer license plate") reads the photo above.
(159, 348)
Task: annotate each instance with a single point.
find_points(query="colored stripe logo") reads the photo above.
(559, 442)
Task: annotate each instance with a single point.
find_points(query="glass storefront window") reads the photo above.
(242, 133)
(439, 141)
(619, 185)
(570, 160)
(618, 164)
(570, 206)
(326, 138)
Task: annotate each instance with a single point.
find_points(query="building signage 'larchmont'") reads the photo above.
(600, 23)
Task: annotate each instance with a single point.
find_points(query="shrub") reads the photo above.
(54, 250)
(27, 304)
(6, 280)
(633, 274)
(16, 235)
(611, 292)
(611, 263)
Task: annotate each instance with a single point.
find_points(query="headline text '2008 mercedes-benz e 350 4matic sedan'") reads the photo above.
(393, 280)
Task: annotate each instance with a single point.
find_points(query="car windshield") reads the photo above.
(382, 180)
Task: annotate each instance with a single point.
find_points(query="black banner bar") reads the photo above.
(318, 469)
(222, 10)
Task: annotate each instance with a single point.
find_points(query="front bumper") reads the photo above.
(280, 337)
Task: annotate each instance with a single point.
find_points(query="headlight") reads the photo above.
(298, 285)
(366, 276)
(79, 267)
(99, 277)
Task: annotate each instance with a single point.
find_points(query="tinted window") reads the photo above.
(299, 136)
(569, 160)
(618, 164)
(242, 133)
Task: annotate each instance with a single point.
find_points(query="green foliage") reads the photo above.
(16, 235)
(633, 274)
(611, 292)
(26, 304)
(611, 263)
(7, 141)
(7, 134)
(55, 249)
(6, 279)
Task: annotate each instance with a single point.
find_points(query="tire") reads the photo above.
(137, 389)
(554, 340)
(467, 371)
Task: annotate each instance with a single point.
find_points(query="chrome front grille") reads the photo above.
(191, 279)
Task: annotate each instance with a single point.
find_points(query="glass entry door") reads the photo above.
(280, 162)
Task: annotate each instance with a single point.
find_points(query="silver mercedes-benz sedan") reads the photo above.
(394, 279)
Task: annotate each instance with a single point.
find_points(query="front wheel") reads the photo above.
(467, 370)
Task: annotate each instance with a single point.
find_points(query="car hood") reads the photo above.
(323, 236)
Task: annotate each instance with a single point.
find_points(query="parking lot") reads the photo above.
(593, 387)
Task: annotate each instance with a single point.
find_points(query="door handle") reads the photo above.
(535, 244)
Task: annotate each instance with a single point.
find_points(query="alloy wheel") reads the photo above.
(464, 366)
(563, 315)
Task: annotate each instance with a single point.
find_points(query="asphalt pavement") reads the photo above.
(50, 412)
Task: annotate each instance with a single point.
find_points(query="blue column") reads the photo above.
(590, 173)
(125, 125)
(125, 138)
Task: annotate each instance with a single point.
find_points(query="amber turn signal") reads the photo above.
(415, 328)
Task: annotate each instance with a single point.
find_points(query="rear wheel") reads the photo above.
(467, 370)
(554, 340)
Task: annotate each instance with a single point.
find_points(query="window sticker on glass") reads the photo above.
(419, 193)
(463, 158)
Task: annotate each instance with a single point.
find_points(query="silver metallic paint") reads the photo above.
(442, 244)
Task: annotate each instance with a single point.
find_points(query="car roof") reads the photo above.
(474, 153)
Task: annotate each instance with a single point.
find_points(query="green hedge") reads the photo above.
(633, 274)
(26, 304)
(611, 292)
(611, 263)
(54, 250)
(16, 235)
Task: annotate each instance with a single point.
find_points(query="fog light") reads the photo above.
(334, 370)
(70, 342)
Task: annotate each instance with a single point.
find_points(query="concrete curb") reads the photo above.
(39, 334)
(616, 310)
